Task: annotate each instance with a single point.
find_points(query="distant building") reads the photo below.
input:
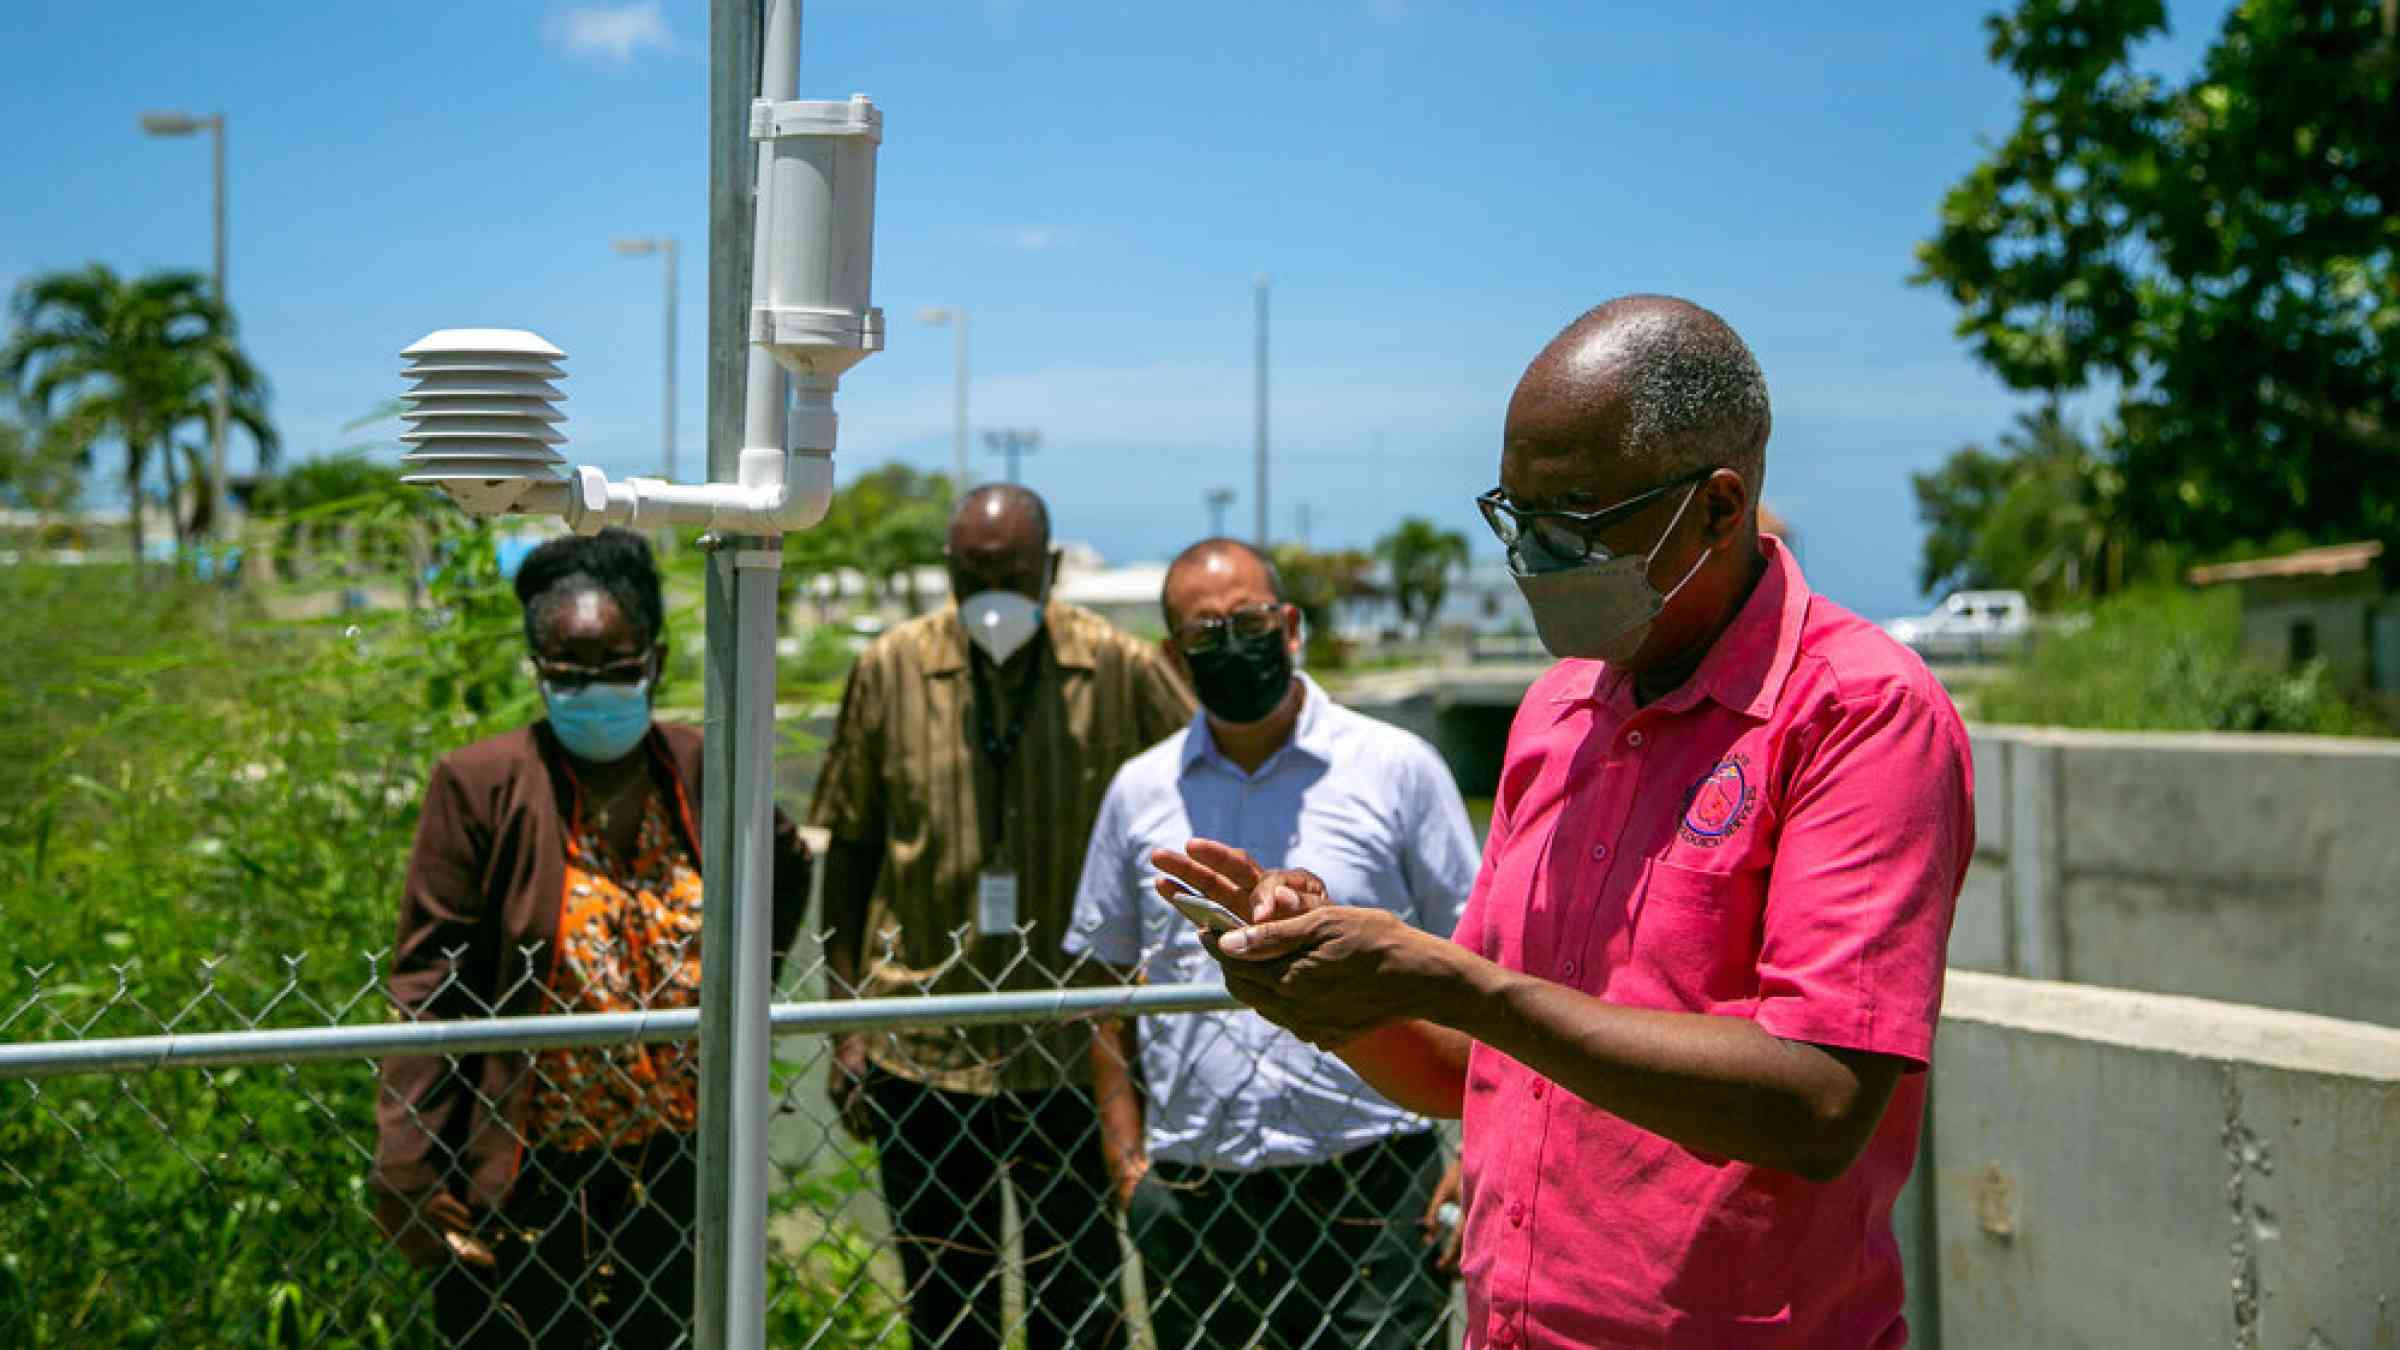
(1126, 596)
(2330, 604)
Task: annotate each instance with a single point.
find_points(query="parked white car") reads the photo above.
(1968, 626)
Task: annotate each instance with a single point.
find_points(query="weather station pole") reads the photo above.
(790, 312)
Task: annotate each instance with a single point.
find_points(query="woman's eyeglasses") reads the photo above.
(1202, 636)
(566, 677)
(1567, 535)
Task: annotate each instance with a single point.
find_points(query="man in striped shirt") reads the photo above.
(972, 751)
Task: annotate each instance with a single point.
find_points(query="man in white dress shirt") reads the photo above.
(1275, 1198)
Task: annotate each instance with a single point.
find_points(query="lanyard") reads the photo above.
(998, 745)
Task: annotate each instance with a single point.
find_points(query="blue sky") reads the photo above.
(1435, 188)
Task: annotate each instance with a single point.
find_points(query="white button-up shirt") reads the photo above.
(1369, 807)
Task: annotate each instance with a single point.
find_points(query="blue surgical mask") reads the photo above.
(599, 723)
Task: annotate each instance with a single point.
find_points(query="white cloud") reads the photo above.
(1032, 238)
(609, 35)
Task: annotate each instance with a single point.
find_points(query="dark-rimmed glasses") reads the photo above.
(568, 678)
(1202, 636)
(1567, 535)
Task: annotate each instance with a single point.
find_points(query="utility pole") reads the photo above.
(1218, 499)
(1259, 432)
(1013, 442)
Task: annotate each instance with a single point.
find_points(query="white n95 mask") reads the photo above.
(1000, 622)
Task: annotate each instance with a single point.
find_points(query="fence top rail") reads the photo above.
(296, 1045)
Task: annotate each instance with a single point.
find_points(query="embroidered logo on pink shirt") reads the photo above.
(1717, 805)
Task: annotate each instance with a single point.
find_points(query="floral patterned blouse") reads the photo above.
(628, 941)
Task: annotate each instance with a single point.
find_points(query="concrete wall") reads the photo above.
(2114, 1169)
(2254, 869)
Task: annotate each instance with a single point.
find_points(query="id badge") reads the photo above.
(995, 903)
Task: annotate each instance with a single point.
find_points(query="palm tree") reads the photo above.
(133, 360)
(190, 410)
(2058, 531)
(1421, 557)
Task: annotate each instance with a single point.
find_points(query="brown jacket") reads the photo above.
(478, 921)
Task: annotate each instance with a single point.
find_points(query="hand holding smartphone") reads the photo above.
(1201, 910)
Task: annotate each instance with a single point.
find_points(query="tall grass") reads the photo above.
(204, 819)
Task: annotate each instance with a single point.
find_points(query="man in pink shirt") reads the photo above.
(1689, 1004)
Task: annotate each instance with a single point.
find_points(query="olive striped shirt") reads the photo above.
(908, 769)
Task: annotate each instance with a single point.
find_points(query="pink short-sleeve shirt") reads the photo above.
(1783, 839)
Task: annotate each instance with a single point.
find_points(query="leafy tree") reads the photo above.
(40, 468)
(342, 506)
(2042, 516)
(133, 360)
(1422, 557)
(1954, 502)
(1318, 583)
(886, 523)
(2222, 251)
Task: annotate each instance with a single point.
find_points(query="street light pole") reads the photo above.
(666, 433)
(1013, 442)
(956, 317)
(1259, 431)
(664, 245)
(1218, 499)
(184, 124)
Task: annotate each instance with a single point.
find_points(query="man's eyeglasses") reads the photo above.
(1567, 535)
(1202, 636)
(566, 677)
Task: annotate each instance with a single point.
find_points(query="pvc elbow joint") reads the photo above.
(778, 492)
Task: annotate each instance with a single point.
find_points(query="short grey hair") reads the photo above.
(1694, 395)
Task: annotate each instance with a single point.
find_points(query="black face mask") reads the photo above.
(1243, 680)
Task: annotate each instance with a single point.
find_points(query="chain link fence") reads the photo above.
(187, 1162)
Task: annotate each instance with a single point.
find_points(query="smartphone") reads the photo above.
(1203, 911)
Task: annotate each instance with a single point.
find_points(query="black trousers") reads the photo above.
(1327, 1254)
(595, 1248)
(943, 1157)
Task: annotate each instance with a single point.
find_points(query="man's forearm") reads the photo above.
(1117, 1096)
(850, 873)
(1716, 1084)
(1417, 1065)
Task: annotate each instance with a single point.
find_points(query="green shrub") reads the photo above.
(824, 1288)
(204, 829)
(2167, 660)
(204, 819)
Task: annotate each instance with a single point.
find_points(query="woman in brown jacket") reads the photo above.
(557, 870)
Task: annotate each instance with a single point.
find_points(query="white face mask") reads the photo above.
(1601, 609)
(1000, 622)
